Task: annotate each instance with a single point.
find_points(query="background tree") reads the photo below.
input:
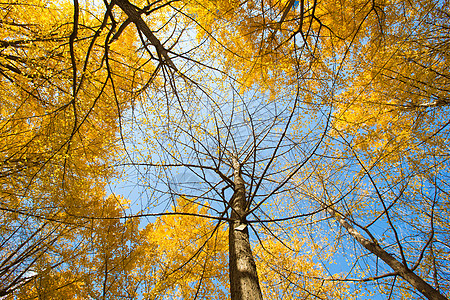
(387, 69)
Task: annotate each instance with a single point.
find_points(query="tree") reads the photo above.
(380, 107)
(279, 115)
(58, 133)
(221, 159)
(392, 124)
(344, 48)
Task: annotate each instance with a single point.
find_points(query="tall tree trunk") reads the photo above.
(244, 283)
(417, 282)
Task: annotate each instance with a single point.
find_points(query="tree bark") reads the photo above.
(244, 282)
(135, 17)
(417, 282)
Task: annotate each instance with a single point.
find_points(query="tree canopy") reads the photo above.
(224, 149)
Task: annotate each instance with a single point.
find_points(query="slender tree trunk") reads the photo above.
(417, 282)
(244, 283)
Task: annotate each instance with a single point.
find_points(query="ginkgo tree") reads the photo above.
(234, 159)
(326, 66)
(280, 135)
